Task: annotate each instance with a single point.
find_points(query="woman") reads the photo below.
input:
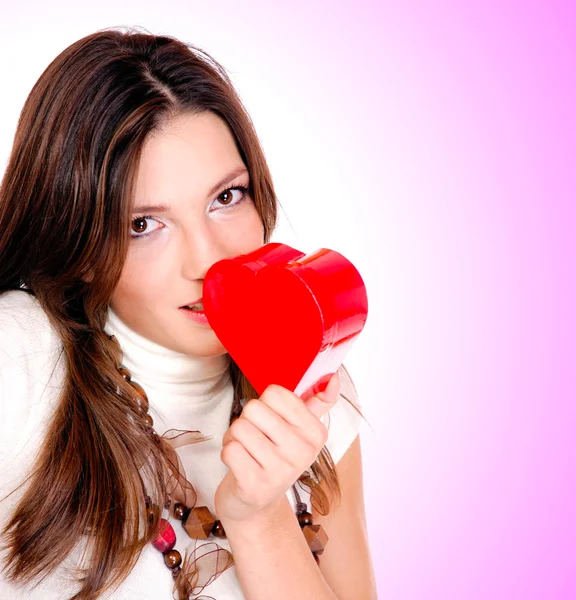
(135, 167)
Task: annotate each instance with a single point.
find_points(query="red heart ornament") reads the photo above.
(286, 317)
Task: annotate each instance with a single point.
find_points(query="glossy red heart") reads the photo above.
(286, 317)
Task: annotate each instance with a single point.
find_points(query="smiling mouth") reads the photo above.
(198, 307)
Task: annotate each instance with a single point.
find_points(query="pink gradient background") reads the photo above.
(476, 461)
(433, 144)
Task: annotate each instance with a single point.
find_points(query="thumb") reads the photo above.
(322, 402)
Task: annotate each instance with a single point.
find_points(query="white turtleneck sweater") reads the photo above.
(184, 392)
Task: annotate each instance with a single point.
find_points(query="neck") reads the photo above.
(154, 366)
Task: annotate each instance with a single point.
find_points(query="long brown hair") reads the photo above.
(65, 210)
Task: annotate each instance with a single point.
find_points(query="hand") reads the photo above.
(275, 439)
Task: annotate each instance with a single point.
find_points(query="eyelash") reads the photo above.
(245, 191)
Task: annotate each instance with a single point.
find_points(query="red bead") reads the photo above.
(165, 539)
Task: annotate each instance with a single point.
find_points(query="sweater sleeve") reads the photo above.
(29, 389)
(29, 357)
(343, 421)
(30, 383)
(32, 369)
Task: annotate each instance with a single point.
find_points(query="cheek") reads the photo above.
(246, 236)
(142, 279)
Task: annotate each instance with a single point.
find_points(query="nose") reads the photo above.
(200, 249)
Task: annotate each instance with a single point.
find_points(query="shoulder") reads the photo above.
(24, 325)
(343, 421)
(30, 361)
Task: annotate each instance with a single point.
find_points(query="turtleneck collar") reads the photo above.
(157, 367)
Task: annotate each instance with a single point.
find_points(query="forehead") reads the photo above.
(191, 152)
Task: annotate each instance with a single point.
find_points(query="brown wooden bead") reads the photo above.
(113, 339)
(142, 396)
(218, 530)
(316, 537)
(125, 373)
(199, 522)
(148, 420)
(179, 511)
(150, 513)
(172, 559)
(305, 518)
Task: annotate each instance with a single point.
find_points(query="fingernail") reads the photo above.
(334, 381)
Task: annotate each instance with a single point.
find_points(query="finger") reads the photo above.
(285, 436)
(288, 405)
(270, 422)
(259, 446)
(243, 467)
(264, 418)
(292, 449)
(246, 412)
(322, 402)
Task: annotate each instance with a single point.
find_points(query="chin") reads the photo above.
(207, 349)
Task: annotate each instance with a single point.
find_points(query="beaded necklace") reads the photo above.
(198, 522)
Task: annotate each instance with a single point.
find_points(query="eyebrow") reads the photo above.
(224, 181)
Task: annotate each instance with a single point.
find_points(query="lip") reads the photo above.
(191, 303)
(197, 315)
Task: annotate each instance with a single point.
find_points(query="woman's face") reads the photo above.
(186, 168)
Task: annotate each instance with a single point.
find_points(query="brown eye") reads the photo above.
(142, 222)
(228, 202)
(227, 193)
(139, 226)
